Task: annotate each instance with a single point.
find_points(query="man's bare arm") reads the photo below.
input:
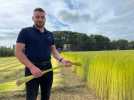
(57, 56)
(55, 53)
(19, 53)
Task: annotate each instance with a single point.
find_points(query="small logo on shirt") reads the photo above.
(49, 37)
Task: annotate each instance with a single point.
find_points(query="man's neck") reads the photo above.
(40, 29)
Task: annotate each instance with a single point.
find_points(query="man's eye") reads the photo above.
(37, 17)
(42, 17)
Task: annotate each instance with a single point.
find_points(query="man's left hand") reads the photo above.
(66, 63)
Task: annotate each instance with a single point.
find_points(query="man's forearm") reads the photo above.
(56, 55)
(24, 60)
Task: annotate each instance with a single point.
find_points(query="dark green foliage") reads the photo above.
(6, 51)
(83, 42)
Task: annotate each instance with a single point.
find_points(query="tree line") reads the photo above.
(82, 42)
(6, 51)
(74, 41)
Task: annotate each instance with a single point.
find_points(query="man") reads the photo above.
(34, 46)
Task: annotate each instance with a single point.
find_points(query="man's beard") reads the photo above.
(39, 24)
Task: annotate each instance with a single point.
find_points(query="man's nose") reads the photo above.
(40, 19)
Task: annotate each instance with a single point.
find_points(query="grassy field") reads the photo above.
(109, 73)
(11, 70)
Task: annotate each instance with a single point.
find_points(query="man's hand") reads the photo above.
(66, 63)
(36, 72)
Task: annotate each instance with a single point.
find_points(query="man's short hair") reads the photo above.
(39, 9)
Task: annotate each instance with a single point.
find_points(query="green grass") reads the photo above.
(11, 70)
(109, 73)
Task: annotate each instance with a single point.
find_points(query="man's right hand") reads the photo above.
(36, 72)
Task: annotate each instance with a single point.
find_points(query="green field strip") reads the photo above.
(10, 62)
(11, 86)
(7, 60)
(11, 70)
(109, 73)
(13, 67)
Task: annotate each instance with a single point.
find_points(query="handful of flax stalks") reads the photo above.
(30, 77)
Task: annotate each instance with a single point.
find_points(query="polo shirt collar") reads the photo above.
(39, 30)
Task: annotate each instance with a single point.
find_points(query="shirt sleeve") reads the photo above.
(22, 37)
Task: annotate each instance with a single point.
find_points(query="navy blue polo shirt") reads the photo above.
(37, 44)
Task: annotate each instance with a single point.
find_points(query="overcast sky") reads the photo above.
(112, 18)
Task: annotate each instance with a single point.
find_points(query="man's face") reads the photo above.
(39, 19)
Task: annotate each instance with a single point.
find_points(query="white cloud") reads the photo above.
(108, 17)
